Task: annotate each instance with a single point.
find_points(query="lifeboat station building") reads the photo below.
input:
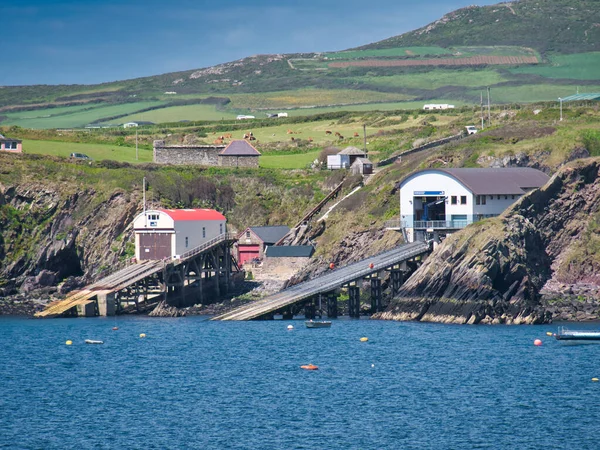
(169, 233)
(436, 202)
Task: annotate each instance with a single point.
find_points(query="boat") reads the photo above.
(309, 367)
(317, 323)
(577, 336)
(91, 341)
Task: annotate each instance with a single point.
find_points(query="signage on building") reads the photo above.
(428, 193)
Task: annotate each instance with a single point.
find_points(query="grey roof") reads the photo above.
(362, 161)
(271, 234)
(352, 151)
(290, 251)
(239, 147)
(4, 139)
(512, 180)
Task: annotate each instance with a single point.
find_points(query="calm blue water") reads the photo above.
(192, 383)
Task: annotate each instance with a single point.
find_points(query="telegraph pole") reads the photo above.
(489, 113)
(481, 104)
(365, 136)
(136, 145)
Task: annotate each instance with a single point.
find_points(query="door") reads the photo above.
(155, 246)
(247, 253)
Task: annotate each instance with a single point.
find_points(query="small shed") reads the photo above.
(239, 153)
(338, 162)
(290, 251)
(283, 261)
(362, 166)
(253, 241)
(10, 145)
(353, 153)
(169, 233)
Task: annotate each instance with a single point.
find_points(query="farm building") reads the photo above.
(238, 153)
(283, 261)
(11, 145)
(253, 241)
(345, 158)
(168, 233)
(434, 106)
(445, 200)
(362, 166)
(137, 124)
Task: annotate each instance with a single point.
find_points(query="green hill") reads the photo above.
(526, 51)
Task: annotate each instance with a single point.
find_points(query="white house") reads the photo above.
(433, 106)
(168, 233)
(445, 200)
(338, 161)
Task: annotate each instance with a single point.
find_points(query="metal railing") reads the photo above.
(454, 224)
(206, 245)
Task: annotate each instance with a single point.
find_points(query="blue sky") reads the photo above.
(94, 41)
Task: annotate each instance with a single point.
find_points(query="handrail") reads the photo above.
(207, 244)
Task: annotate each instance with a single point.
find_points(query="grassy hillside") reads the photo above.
(526, 51)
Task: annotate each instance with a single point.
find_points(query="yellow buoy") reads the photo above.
(594, 379)
(69, 342)
(143, 335)
(548, 333)
(364, 339)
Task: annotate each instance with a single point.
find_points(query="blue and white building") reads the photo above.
(440, 201)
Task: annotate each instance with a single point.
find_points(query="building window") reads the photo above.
(506, 197)
(220, 228)
(454, 200)
(498, 197)
(483, 199)
(203, 232)
(513, 197)
(186, 242)
(152, 216)
(463, 199)
(477, 201)
(247, 234)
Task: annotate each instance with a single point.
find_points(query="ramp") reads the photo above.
(326, 283)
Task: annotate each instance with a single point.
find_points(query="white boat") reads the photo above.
(577, 336)
(91, 341)
(317, 323)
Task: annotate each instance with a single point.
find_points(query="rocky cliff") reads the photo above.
(535, 263)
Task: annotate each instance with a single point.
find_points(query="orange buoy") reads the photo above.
(371, 266)
(331, 266)
(537, 342)
(309, 367)
(115, 328)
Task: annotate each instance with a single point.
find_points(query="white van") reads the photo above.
(471, 129)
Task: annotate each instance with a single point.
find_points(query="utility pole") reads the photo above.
(136, 145)
(489, 113)
(365, 137)
(481, 104)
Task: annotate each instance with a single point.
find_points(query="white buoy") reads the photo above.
(290, 327)
(372, 365)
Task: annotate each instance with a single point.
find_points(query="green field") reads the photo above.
(435, 79)
(582, 66)
(95, 151)
(387, 52)
(296, 161)
(177, 113)
(72, 116)
(532, 93)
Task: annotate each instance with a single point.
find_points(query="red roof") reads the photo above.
(193, 214)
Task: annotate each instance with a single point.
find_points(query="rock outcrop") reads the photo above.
(494, 271)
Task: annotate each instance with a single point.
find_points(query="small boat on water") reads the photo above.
(318, 323)
(91, 341)
(577, 336)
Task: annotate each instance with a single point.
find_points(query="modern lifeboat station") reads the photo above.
(436, 202)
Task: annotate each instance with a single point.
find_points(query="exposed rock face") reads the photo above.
(494, 271)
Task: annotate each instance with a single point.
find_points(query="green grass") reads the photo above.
(177, 113)
(71, 117)
(95, 151)
(532, 93)
(398, 51)
(435, 79)
(297, 161)
(582, 66)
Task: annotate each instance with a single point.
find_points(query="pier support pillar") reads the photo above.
(309, 310)
(88, 310)
(376, 305)
(354, 301)
(332, 305)
(287, 314)
(397, 278)
(106, 304)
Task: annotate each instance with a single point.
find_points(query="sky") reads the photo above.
(96, 41)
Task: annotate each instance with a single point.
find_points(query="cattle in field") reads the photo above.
(293, 138)
(222, 138)
(290, 132)
(251, 138)
(355, 134)
(227, 135)
(310, 139)
(327, 132)
(337, 133)
(218, 141)
(340, 137)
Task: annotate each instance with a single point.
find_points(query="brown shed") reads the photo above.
(362, 166)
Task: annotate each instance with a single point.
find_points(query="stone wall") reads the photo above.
(205, 155)
(238, 161)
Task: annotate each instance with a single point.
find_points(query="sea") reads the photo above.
(192, 383)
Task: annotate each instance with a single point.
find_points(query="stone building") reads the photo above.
(238, 153)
